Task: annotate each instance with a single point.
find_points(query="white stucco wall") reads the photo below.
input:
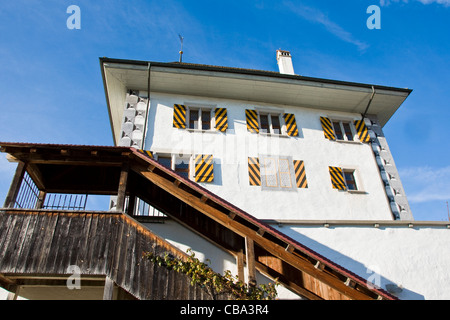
(415, 258)
(232, 149)
(412, 258)
(219, 260)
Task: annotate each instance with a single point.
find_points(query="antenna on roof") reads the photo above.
(181, 51)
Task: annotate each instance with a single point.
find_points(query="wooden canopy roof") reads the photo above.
(125, 171)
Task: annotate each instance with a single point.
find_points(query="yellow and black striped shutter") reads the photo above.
(327, 128)
(252, 120)
(146, 153)
(362, 130)
(254, 174)
(300, 175)
(179, 116)
(204, 168)
(291, 125)
(337, 178)
(221, 119)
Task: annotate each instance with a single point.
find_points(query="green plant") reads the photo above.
(216, 284)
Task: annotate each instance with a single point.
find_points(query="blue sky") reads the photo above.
(51, 89)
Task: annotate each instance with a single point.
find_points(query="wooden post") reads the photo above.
(122, 188)
(41, 199)
(131, 204)
(250, 255)
(13, 293)
(240, 265)
(15, 185)
(109, 289)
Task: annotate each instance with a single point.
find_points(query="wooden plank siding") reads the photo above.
(45, 243)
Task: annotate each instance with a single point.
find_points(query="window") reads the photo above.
(193, 119)
(182, 167)
(179, 164)
(277, 173)
(165, 161)
(343, 130)
(206, 120)
(200, 118)
(349, 176)
(199, 168)
(270, 123)
(345, 179)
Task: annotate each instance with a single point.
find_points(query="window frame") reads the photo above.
(278, 174)
(174, 158)
(270, 114)
(200, 109)
(353, 175)
(188, 170)
(357, 178)
(340, 122)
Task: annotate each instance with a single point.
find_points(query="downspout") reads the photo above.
(368, 105)
(144, 133)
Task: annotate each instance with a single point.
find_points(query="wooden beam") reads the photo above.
(250, 257)
(83, 159)
(271, 273)
(275, 249)
(109, 289)
(260, 232)
(240, 265)
(290, 248)
(41, 199)
(122, 188)
(36, 175)
(349, 282)
(319, 266)
(15, 185)
(13, 292)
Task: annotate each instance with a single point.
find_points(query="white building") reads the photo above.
(306, 155)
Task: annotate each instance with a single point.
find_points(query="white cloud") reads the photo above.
(445, 3)
(316, 16)
(424, 184)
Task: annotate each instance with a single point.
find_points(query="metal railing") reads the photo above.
(143, 209)
(28, 194)
(59, 201)
(28, 198)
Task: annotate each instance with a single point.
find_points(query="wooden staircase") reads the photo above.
(110, 244)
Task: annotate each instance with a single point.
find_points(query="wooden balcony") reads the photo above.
(38, 245)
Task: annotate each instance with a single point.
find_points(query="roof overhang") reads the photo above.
(245, 84)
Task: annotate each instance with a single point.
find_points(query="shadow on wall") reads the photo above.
(184, 239)
(371, 276)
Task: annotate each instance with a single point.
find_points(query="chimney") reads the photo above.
(284, 61)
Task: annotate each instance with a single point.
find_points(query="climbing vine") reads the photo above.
(216, 284)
